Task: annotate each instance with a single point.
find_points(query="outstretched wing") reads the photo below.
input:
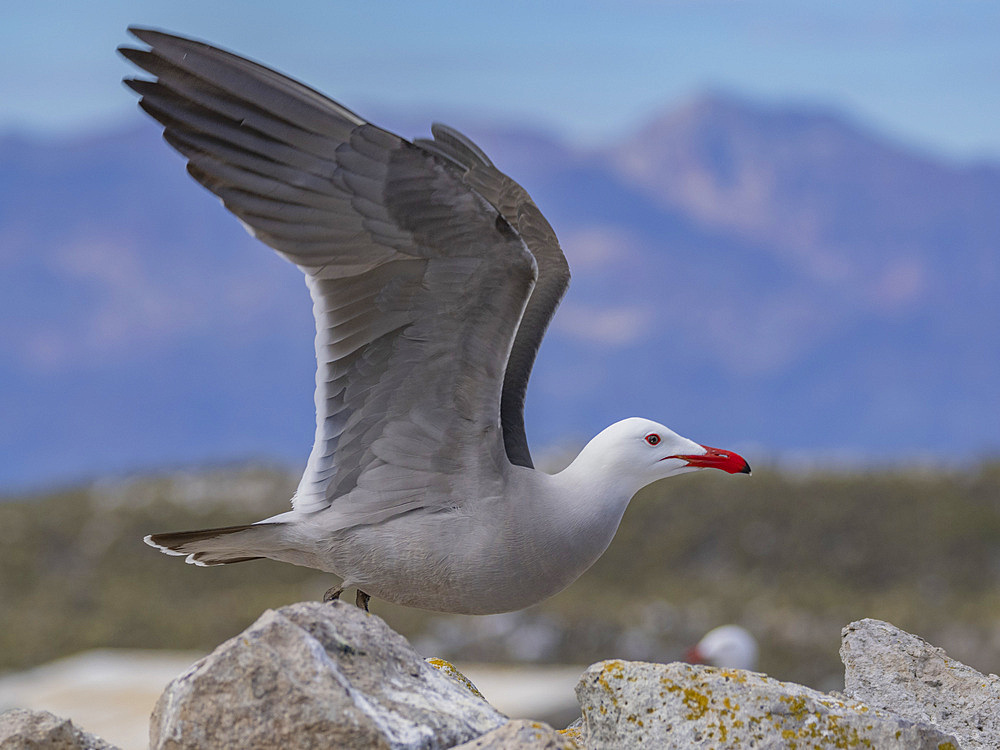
(418, 282)
(516, 206)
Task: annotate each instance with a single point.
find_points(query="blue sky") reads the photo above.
(926, 72)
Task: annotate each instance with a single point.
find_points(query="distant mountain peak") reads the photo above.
(717, 110)
(804, 181)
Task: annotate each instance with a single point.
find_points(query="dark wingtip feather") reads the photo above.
(138, 85)
(149, 35)
(146, 35)
(139, 57)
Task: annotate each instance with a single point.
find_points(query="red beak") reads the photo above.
(714, 458)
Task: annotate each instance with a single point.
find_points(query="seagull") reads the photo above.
(433, 278)
(727, 646)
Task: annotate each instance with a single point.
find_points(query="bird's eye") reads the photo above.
(653, 439)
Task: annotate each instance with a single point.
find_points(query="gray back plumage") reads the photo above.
(421, 260)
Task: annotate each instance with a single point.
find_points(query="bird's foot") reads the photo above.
(333, 594)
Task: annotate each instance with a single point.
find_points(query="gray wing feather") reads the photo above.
(418, 282)
(516, 206)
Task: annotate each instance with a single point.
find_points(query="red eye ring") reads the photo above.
(653, 439)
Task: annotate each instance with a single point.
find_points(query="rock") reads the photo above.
(21, 729)
(315, 675)
(889, 668)
(452, 672)
(523, 691)
(521, 734)
(575, 732)
(633, 704)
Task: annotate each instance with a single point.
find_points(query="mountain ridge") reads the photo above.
(749, 274)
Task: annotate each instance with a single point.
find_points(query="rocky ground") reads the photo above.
(314, 675)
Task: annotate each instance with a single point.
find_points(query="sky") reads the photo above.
(926, 72)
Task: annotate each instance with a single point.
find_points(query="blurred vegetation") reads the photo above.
(792, 557)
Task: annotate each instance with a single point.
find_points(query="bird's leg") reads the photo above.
(333, 593)
(362, 600)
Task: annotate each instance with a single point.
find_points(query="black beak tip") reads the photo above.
(746, 468)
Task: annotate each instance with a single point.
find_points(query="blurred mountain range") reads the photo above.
(773, 279)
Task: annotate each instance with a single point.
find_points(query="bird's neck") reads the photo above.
(569, 518)
(594, 495)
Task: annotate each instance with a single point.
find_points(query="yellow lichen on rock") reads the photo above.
(613, 669)
(696, 702)
(452, 671)
(573, 733)
(693, 706)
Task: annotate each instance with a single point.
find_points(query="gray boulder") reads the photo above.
(21, 729)
(635, 704)
(315, 675)
(522, 734)
(889, 668)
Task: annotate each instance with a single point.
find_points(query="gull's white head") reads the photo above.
(650, 451)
